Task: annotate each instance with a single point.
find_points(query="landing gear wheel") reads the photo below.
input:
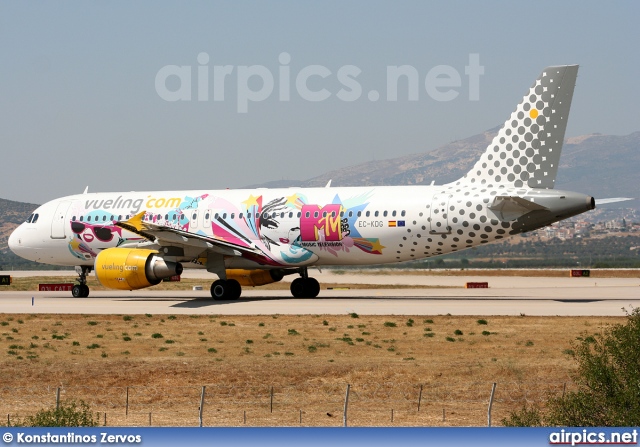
(226, 289)
(313, 287)
(234, 289)
(80, 291)
(305, 288)
(218, 289)
(297, 288)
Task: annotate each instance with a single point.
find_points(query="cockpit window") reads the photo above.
(32, 219)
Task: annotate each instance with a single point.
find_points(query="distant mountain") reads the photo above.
(12, 214)
(595, 164)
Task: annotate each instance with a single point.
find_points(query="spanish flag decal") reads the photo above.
(392, 223)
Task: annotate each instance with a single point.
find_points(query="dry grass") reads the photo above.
(547, 273)
(307, 359)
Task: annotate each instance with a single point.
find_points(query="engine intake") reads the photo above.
(133, 269)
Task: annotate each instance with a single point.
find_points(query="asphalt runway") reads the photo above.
(540, 296)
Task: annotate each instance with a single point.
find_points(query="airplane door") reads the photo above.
(440, 214)
(194, 219)
(58, 222)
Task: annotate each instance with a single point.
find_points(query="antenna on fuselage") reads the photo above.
(328, 184)
(86, 189)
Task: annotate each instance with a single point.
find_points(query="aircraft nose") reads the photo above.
(15, 241)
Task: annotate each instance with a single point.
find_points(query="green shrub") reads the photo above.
(525, 417)
(482, 322)
(390, 324)
(69, 414)
(156, 335)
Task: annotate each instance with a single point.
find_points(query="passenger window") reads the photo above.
(300, 214)
(385, 213)
(89, 219)
(359, 213)
(119, 217)
(248, 215)
(73, 219)
(393, 213)
(81, 217)
(224, 215)
(368, 213)
(315, 214)
(306, 214)
(350, 213)
(333, 214)
(233, 215)
(290, 215)
(104, 218)
(376, 213)
(240, 216)
(324, 214)
(282, 215)
(402, 213)
(257, 215)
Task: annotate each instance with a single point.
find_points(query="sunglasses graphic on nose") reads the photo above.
(101, 233)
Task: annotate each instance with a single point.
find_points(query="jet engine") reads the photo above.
(132, 269)
(255, 277)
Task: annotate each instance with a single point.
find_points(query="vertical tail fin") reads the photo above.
(526, 151)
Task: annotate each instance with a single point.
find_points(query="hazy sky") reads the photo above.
(79, 104)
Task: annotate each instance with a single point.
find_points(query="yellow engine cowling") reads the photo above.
(254, 277)
(132, 269)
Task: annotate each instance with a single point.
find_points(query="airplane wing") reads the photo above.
(167, 236)
(613, 200)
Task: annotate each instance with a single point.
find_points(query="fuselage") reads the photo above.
(294, 226)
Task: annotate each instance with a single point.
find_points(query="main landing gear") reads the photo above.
(81, 290)
(303, 287)
(226, 289)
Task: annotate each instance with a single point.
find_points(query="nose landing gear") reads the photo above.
(81, 290)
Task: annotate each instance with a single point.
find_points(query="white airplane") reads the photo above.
(254, 237)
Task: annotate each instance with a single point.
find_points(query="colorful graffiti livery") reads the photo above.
(314, 219)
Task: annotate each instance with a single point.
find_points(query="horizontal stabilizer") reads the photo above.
(509, 208)
(613, 200)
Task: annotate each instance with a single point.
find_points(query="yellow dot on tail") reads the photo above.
(533, 114)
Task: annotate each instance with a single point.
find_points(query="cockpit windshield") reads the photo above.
(33, 218)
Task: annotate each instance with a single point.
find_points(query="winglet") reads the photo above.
(133, 224)
(136, 221)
